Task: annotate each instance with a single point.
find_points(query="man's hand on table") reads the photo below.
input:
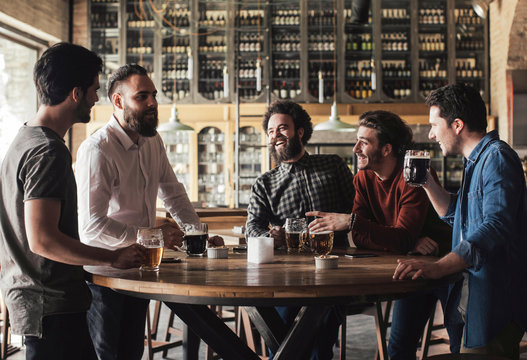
(129, 257)
(216, 241)
(172, 235)
(278, 234)
(328, 221)
(426, 246)
(449, 264)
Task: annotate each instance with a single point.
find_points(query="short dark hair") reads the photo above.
(63, 67)
(391, 129)
(300, 117)
(121, 74)
(460, 101)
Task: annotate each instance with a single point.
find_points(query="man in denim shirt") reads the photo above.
(489, 218)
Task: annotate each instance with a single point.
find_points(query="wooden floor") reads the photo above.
(360, 342)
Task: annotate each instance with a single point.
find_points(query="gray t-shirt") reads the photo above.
(36, 166)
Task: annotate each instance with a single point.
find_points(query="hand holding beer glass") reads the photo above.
(152, 240)
(416, 167)
(295, 234)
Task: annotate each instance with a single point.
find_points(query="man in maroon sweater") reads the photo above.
(390, 215)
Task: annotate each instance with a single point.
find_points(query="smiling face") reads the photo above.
(138, 98)
(87, 101)
(443, 133)
(367, 149)
(284, 142)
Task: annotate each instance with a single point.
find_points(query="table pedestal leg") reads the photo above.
(190, 344)
(211, 329)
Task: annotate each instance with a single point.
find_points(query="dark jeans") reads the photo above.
(117, 324)
(326, 338)
(409, 318)
(64, 337)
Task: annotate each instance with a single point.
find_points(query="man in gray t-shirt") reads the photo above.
(41, 257)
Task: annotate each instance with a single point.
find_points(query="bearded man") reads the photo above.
(121, 170)
(299, 183)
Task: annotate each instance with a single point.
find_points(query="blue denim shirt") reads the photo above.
(489, 218)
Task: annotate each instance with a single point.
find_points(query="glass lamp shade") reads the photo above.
(173, 123)
(334, 123)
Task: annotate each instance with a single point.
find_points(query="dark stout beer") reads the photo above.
(416, 169)
(196, 243)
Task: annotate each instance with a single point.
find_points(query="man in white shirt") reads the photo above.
(120, 171)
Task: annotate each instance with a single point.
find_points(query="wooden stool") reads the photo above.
(152, 325)
(465, 357)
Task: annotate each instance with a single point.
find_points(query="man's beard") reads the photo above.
(373, 159)
(83, 111)
(291, 150)
(136, 121)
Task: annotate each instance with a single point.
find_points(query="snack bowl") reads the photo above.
(326, 262)
(218, 252)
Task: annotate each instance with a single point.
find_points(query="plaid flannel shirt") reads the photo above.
(313, 183)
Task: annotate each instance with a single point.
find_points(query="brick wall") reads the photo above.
(508, 23)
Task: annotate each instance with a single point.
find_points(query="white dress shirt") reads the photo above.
(117, 185)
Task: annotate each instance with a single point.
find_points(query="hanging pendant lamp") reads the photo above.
(334, 123)
(173, 123)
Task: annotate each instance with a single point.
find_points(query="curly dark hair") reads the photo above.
(391, 129)
(63, 67)
(121, 74)
(300, 117)
(460, 101)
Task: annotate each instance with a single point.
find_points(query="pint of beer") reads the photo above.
(295, 234)
(321, 243)
(195, 238)
(152, 240)
(416, 166)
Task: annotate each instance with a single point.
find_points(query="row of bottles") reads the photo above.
(395, 16)
(100, 18)
(286, 42)
(178, 16)
(250, 17)
(426, 87)
(321, 42)
(247, 89)
(182, 45)
(467, 42)
(395, 41)
(467, 68)
(283, 68)
(321, 17)
(247, 69)
(398, 89)
(432, 69)
(286, 17)
(212, 69)
(355, 42)
(143, 20)
(359, 89)
(396, 69)
(359, 69)
(137, 44)
(432, 42)
(467, 16)
(212, 43)
(105, 46)
(211, 90)
(250, 42)
(211, 178)
(212, 17)
(182, 89)
(286, 89)
(432, 15)
(175, 71)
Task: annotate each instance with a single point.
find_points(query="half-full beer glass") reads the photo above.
(152, 240)
(321, 243)
(295, 234)
(416, 166)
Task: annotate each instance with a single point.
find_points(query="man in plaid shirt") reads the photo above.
(300, 183)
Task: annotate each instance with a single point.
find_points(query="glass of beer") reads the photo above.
(152, 240)
(416, 166)
(195, 238)
(321, 242)
(295, 234)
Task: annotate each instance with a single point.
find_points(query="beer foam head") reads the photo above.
(195, 233)
(418, 157)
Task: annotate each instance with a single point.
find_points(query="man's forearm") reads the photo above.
(439, 197)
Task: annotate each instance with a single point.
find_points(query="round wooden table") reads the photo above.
(289, 280)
